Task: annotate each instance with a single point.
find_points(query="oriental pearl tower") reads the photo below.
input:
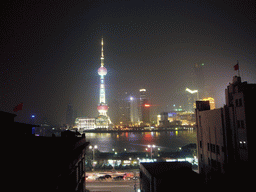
(103, 120)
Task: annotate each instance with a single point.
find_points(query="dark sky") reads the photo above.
(50, 52)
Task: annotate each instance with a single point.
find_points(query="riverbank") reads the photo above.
(141, 129)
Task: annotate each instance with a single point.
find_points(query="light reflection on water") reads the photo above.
(138, 141)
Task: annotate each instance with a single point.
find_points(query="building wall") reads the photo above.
(226, 135)
(211, 142)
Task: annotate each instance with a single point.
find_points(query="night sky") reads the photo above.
(50, 52)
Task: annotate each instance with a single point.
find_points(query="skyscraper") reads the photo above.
(102, 121)
(199, 80)
(134, 113)
(144, 108)
(70, 115)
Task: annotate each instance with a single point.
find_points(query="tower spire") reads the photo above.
(102, 56)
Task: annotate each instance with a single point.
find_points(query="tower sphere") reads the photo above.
(102, 108)
(102, 71)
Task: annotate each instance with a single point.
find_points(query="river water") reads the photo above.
(138, 141)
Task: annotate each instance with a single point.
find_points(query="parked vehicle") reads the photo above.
(100, 178)
(119, 177)
(107, 176)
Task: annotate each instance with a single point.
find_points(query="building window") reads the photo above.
(208, 146)
(200, 143)
(212, 148)
(236, 102)
(238, 123)
(242, 124)
(218, 149)
(240, 102)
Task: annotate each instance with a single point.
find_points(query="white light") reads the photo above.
(153, 146)
(131, 98)
(90, 147)
(95, 147)
(191, 91)
(142, 90)
(149, 146)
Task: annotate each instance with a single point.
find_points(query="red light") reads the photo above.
(147, 105)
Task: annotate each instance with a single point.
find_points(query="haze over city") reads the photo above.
(50, 52)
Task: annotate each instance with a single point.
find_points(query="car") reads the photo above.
(119, 177)
(107, 176)
(100, 178)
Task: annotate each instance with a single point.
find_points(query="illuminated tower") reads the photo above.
(103, 120)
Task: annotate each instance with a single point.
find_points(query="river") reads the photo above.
(138, 141)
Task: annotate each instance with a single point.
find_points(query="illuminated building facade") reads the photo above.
(102, 121)
(85, 123)
(192, 97)
(211, 101)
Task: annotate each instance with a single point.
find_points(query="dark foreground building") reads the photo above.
(225, 136)
(168, 176)
(44, 163)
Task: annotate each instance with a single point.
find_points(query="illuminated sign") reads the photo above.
(147, 105)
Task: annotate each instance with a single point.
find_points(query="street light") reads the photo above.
(93, 147)
(151, 146)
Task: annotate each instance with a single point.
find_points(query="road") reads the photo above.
(113, 186)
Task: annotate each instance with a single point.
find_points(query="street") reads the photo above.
(107, 185)
(113, 186)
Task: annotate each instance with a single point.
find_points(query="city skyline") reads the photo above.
(50, 53)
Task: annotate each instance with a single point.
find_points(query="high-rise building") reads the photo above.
(103, 120)
(70, 115)
(211, 101)
(134, 111)
(123, 108)
(225, 135)
(199, 81)
(192, 97)
(144, 108)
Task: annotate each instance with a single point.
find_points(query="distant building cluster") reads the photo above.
(186, 116)
(224, 146)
